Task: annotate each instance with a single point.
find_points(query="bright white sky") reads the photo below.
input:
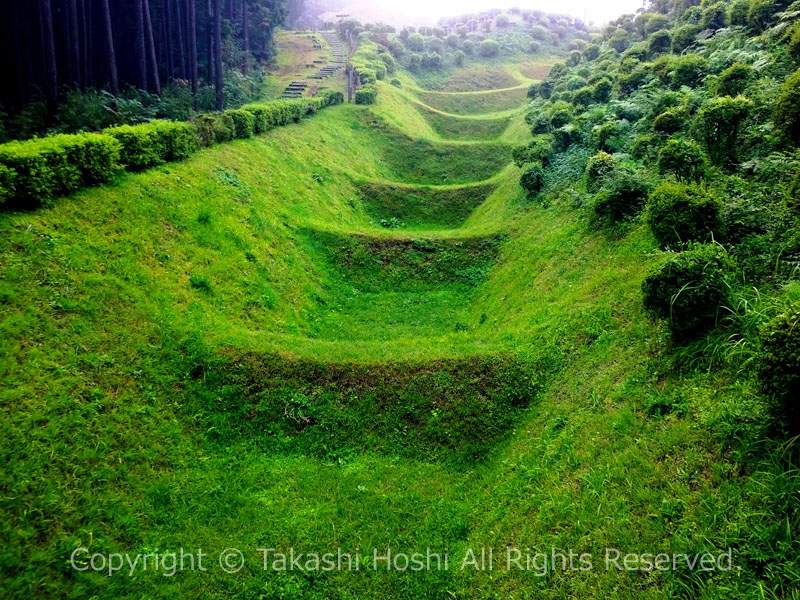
(429, 11)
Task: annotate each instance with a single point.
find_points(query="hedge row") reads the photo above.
(34, 171)
(39, 169)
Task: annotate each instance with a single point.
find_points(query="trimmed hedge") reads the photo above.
(7, 181)
(243, 123)
(36, 170)
(367, 95)
(154, 143)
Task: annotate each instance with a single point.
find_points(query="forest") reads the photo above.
(475, 304)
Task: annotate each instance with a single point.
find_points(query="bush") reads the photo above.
(539, 150)
(761, 15)
(787, 108)
(689, 71)
(606, 136)
(243, 123)
(733, 80)
(678, 214)
(737, 14)
(599, 165)
(583, 97)
(682, 158)
(622, 195)
(645, 146)
(154, 143)
(684, 37)
(38, 169)
(779, 363)
(717, 126)
(601, 91)
(670, 121)
(532, 180)
(367, 95)
(793, 195)
(660, 42)
(7, 183)
(686, 291)
(489, 48)
(715, 16)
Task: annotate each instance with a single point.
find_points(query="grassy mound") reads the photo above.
(458, 128)
(474, 103)
(409, 206)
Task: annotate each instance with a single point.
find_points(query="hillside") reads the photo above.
(358, 331)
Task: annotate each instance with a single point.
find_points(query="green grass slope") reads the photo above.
(236, 351)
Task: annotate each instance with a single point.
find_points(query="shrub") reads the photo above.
(682, 158)
(793, 195)
(792, 39)
(678, 214)
(689, 71)
(717, 125)
(605, 137)
(154, 143)
(540, 149)
(367, 95)
(622, 195)
(601, 91)
(733, 80)
(715, 16)
(779, 363)
(686, 291)
(670, 121)
(243, 123)
(574, 59)
(489, 48)
(660, 42)
(599, 165)
(644, 147)
(540, 124)
(532, 180)
(38, 169)
(737, 14)
(583, 97)
(396, 83)
(7, 183)
(560, 114)
(684, 37)
(591, 52)
(761, 15)
(787, 108)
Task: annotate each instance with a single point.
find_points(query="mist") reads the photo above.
(424, 12)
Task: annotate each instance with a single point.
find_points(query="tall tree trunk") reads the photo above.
(229, 10)
(211, 54)
(245, 30)
(141, 55)
(168, 30)
(49, 52)
(219, 81)
(181, 43)
(110, 55)
(84, 51)
(192, 9)
(151, 48)
(18, 53)
(74, 42)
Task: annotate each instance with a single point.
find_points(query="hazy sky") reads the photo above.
(429, 11)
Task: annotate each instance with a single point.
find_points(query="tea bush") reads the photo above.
(679, 214)
(687, 290)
